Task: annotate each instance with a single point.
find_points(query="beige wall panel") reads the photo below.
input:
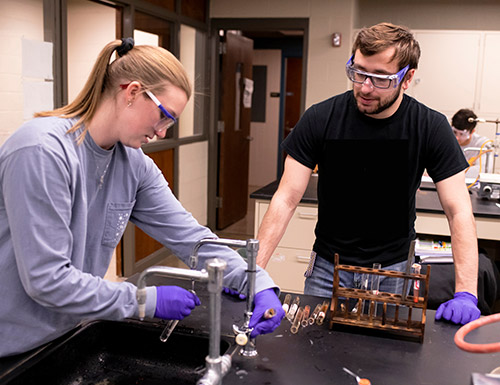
(18, 19)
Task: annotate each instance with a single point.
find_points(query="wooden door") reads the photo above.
(234, 135)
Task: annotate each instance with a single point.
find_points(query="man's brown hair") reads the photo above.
(378, 38)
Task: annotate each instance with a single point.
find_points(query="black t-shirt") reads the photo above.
(369, 172)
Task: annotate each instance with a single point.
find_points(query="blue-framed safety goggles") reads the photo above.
(379, 81)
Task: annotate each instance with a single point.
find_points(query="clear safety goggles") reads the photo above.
(379, 81)
(462, 134)
(166, 121)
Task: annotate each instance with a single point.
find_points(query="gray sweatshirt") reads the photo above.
(63, 210)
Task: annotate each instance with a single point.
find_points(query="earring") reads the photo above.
(129, 103)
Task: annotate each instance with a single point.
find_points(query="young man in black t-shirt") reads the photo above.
(356, 136)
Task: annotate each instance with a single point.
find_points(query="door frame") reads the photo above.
(257, 24)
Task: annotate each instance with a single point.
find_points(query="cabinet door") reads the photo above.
(287, 267)
(448, 70)
(291, 258)
(300, 230)
(490, 79)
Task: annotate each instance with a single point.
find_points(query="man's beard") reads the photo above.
(384, 104)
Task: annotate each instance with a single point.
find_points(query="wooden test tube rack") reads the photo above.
(412, 329)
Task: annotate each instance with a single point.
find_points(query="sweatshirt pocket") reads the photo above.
(117, 217)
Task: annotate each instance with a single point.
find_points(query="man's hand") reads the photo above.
(461, 309)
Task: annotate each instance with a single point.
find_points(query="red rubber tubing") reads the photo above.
(477, 348)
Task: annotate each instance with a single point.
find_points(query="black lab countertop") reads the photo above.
(316, 354)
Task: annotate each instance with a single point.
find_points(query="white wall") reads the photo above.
(432, 14)
(18, 19)
(264, 145)
(90, 27)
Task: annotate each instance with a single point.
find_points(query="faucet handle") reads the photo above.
(241, 339)
(242, 334)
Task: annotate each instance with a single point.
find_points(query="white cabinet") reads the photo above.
(488, 105)
(459, 69)
(291, 258)
(447, 76)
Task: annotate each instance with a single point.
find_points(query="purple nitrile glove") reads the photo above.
(173, 302)
(233, 293)
(461, 309)
(263, 301)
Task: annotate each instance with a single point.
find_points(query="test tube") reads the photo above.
(322, 313)
(365, 278)
(169, 328)
(286, 302)
(375, 279)
(193, 259)
(415, 269)
(296, 322)
(314, 314)
(305, 316)
(375, 285)
(293, 309)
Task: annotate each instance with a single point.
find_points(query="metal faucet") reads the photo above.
(251, 247)
(216, 365)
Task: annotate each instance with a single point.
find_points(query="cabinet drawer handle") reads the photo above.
(307, 215)
(301, 258)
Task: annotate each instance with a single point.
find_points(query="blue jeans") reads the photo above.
(320, 282)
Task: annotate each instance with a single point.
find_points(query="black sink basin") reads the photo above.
(117, 353)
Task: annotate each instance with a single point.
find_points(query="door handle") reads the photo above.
(303, 259)
(249, 138)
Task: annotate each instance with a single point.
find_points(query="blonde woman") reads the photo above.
(70, 181)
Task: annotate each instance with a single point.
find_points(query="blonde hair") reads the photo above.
(379, 37)
(153, 67)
